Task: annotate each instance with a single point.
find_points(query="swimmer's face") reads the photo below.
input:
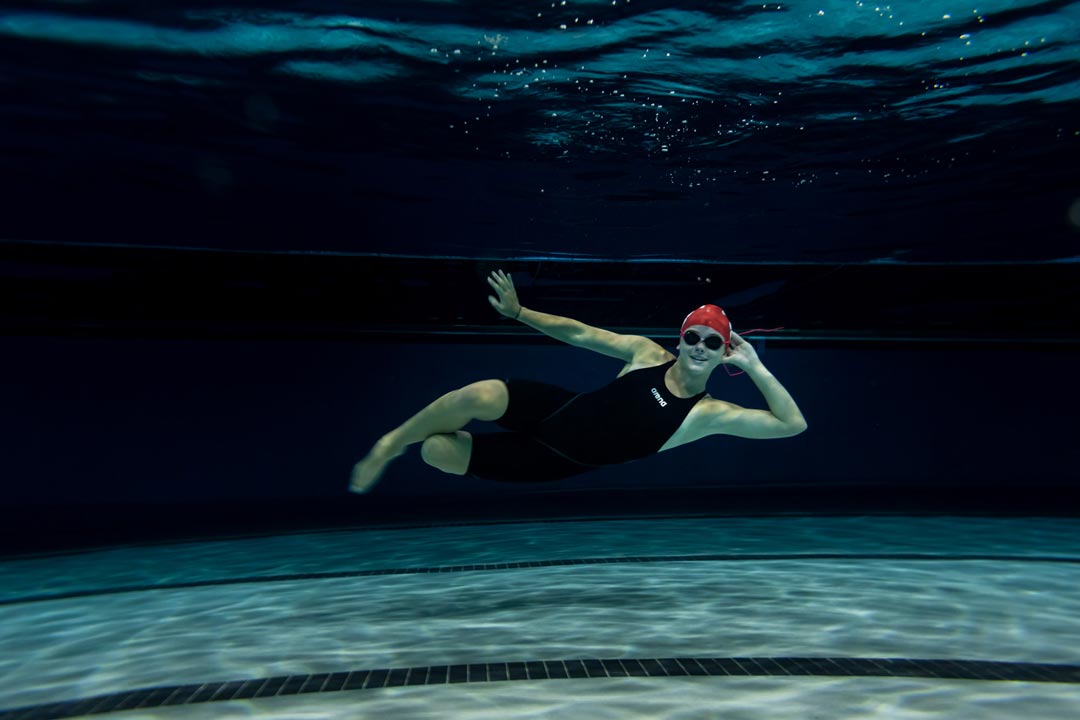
(702, 347)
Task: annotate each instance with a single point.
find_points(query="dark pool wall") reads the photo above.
(114, 421)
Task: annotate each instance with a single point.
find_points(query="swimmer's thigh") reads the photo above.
(531, 403)
(515, 457)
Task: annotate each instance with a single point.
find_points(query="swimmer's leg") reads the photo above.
(484, 400)
(449, 452)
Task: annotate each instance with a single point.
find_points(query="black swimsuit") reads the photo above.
(557, 433)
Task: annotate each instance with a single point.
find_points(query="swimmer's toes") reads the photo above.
(365, 474)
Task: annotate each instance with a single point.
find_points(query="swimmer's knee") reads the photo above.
(448, 452)
(486, 399)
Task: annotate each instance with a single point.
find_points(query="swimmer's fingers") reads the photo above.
(496, 303)
(504, 292)
(502, 283)
(741, 353)
(504, 280)
(507, 302)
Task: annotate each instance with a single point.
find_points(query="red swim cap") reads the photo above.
(709, 316)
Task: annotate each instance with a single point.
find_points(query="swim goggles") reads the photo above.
(713, 342)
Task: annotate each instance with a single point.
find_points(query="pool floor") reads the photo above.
(676, 617)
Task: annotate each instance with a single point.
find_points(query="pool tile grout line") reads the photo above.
(530, 564)
(474, 673)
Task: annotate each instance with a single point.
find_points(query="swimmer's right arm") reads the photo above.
(564, 329)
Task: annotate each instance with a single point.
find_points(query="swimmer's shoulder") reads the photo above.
(647, 356)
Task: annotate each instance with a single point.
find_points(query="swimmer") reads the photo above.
(656, 403)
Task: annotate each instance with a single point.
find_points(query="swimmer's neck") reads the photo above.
(683, 383)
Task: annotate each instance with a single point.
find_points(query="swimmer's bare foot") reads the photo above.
(368, 471)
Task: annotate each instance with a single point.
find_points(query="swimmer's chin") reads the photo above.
(697, 365)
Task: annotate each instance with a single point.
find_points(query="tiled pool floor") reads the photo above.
(103, 624)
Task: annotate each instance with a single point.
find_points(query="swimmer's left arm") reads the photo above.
(782, 419)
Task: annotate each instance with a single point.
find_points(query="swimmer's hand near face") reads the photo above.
(507, 302)
(740, 353)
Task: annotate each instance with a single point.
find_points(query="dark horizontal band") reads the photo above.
(548, 670)
(904, 557)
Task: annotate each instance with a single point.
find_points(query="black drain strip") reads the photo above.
(548, 670)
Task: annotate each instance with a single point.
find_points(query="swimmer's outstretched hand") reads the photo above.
(740, 353)
(507, 302)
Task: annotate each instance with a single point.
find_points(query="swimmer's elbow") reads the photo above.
(787, 430)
